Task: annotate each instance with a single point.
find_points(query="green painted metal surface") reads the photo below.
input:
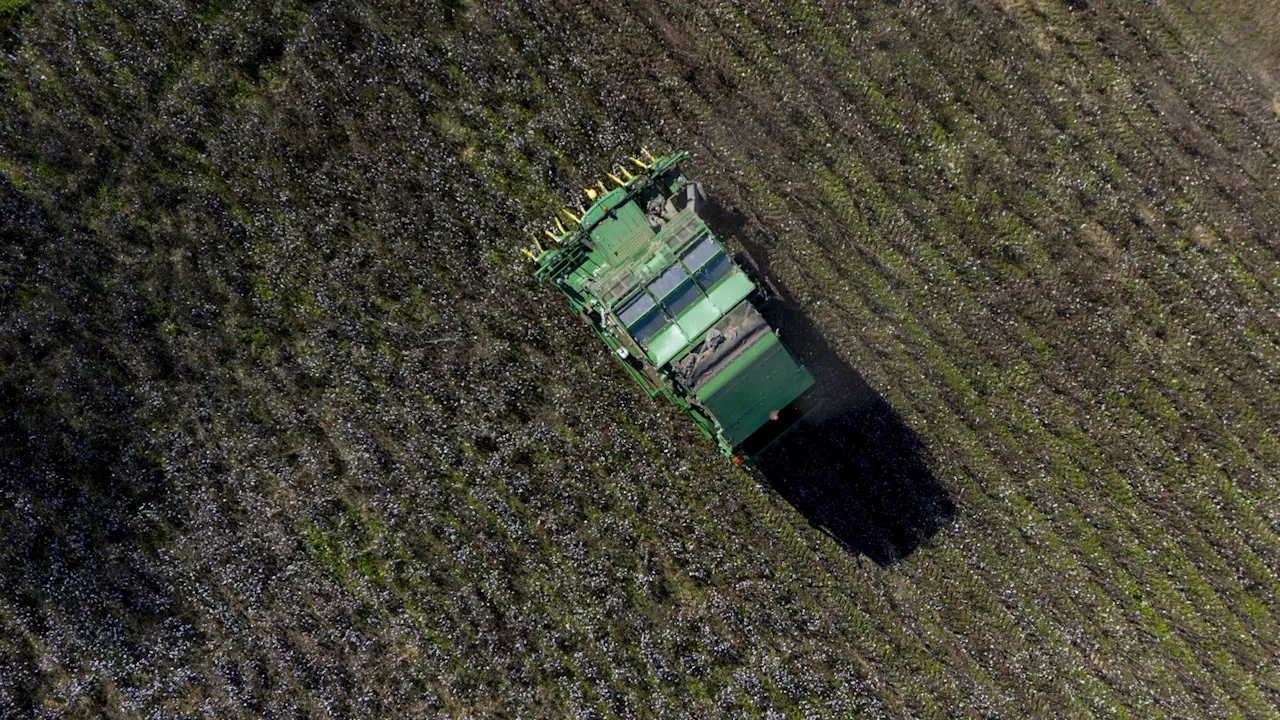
(732, 290)
(644, 270)
(667, 344)
(760, 383)
(698, 317)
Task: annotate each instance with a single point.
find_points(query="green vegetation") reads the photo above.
(287, 429)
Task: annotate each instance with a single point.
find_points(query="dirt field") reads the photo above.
(288, 430)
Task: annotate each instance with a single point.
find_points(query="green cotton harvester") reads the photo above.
(643, 269)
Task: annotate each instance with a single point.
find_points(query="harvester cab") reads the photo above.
(640, 265)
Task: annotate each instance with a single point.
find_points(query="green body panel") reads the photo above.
(625, 232)
(730, 291)
(700, 316)
(763, 381)
(668, 343)
(641, 266)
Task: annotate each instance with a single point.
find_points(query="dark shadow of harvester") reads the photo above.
(851, 466)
